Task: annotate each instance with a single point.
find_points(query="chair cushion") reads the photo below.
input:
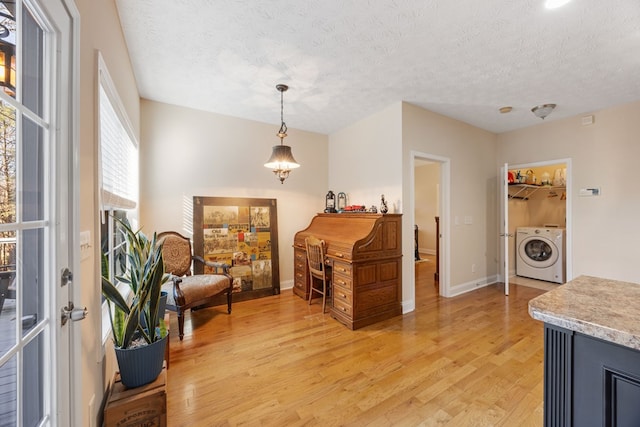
(198, 287)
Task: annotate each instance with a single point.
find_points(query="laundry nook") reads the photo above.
(537, 207)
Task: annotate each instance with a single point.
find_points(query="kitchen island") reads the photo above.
(591, 352)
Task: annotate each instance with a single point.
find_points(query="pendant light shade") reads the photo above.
(281, 157)
(281, 160)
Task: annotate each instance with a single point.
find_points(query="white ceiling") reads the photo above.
(345, 60)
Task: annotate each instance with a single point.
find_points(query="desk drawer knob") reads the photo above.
(339, 255)
(341, 282)
(343, 296)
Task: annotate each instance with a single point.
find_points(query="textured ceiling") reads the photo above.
(345, 60)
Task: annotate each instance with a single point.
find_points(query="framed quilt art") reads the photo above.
(243, 233)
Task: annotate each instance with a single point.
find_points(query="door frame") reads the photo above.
(444, 205)
(568, 212)
(67, 339)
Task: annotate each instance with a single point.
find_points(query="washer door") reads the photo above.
(538, 252)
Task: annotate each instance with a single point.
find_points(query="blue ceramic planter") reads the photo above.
(141, 365)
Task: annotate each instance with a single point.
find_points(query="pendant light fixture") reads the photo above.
(281, 160)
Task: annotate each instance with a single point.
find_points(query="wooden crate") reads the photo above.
(144, 406)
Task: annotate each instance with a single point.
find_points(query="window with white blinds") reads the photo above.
(118, 174)
(118, 159)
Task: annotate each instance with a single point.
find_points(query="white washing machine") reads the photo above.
(540, 253)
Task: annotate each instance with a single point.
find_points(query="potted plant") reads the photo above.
(139, 349)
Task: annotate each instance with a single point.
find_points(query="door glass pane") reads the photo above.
(32, 279)
(32, 63)
(8, 47)
(32, 175)
(7, 164)
(8, 400)
(7, 238)
(32, 399)
(7, 294)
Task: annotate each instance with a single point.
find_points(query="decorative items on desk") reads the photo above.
(330, 203)
(355, 208)
(342, 201)
(338, 204)
(383, 205)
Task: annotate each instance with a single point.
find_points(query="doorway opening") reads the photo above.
(426, 221)
(429, 208)
(539, 224)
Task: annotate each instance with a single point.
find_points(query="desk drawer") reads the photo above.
(300, 276)
(343, 295)
(342, 268)
(342, 281)
(300, 265)
(300, 255)
(342, 307)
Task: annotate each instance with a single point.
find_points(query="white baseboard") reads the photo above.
(463, 288)
(408, 306)
(287, 284)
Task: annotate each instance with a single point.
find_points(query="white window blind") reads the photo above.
(118, 160)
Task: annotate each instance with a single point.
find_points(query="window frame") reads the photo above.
(105, 83)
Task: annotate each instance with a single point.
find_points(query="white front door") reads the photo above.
(36, 214)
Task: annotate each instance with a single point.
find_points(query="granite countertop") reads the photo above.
(601, 308)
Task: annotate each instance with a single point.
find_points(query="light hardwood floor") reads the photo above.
(472, 360)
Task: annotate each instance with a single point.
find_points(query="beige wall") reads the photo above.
(100, 30)
(186, 153)
(473, 188)
(365, 160)
(605, 233)
(427, 181)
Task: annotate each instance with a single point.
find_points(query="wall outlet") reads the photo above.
(473, 268)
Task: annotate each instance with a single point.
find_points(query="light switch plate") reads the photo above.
(589, 192)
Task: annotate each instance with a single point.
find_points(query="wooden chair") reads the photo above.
(186, 291)
(317, 268)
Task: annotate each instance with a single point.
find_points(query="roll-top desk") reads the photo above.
(365, 253)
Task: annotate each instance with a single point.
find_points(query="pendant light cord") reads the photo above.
(283, 127)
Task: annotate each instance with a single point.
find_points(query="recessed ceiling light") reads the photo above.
(554, 4)
(505, 110)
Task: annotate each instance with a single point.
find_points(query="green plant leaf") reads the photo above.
(145, 276)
